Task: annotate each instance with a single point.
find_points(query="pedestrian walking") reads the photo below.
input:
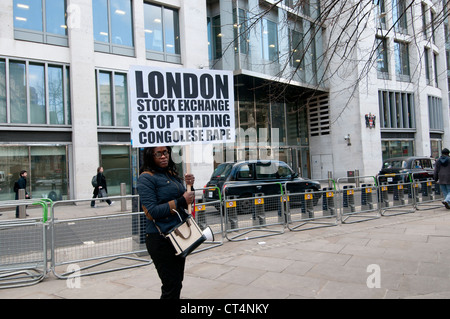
(442, 175)
(101, 190)
(161, 192)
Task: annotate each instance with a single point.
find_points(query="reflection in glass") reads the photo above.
(48, 178)
(3, 118)
(116, 167)
(270, 40)
(55, 12)
(18, 92)
(36, 82)
(100, 15)
(121, 99)
(171, 31)
(153, 28)
(28, 14)
(55, 95)
(121, 29)
(13, 159)
(105, 99)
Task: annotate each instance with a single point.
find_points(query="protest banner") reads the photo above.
(180, 106)
(174, 106)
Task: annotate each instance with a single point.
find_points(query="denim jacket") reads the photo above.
(160, 193)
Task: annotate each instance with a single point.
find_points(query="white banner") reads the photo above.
(180, 106)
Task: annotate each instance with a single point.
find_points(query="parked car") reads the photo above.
(256, 177)
(394, 169)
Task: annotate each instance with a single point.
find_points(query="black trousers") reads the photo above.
(170, 268)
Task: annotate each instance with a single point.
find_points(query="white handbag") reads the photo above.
(186, 236)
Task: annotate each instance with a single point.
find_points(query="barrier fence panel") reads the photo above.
(247, 209)
(311, 208)
(358, 199)
(208, 213)
(23, 245)
(95, 238)
(427, 193)
(396, 194)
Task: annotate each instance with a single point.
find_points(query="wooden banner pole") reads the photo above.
(187, 156)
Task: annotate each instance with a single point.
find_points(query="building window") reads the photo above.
(46, 166)
(113, 26)
(380, 14)
(435, 114)
(424, 21)
(41, 21)
(382, 59)
(397, 148)
(426, 57)
(241, 32)
(297, 49)
(269, 40)
(402, 61)
(436, 79)
(34, 93)
(162, 33)
(214, 38)
(115, 160)
(396, 110)
(112, 99)
(399, 14)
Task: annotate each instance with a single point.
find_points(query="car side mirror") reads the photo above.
(295, 175)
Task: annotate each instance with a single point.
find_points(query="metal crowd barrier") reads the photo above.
(311, 208)
(252, 212)
(23, 245)
(396, 194)
(358, 199)
(426, 192)
(209, 214)
(97, 239)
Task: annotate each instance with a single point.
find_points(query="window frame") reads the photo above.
(65, 85)
(42, 36)
(110, 47)
(164, 55)
(112, 98)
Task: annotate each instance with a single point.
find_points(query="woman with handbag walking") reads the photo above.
(101, 190)
(162, 195)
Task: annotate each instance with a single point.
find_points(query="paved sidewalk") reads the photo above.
(403, 256)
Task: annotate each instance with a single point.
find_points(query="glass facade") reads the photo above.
(39, 93)
(116, 163)
(162, 33)
(41, 21)
(113, 26)
(46, 167)
(270, 127)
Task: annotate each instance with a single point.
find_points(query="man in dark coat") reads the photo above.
(21, 184)
(442, 174)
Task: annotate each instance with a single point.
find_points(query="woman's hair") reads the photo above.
(98, 169)
(150, 165)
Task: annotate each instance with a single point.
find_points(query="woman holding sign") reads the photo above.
(162, 192)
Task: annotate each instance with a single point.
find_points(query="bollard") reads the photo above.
(329, 208)
(309, 205)
(284, 210)
(259, 217)
(231, 212)
(401, 193)
(123, 201)
(349, 198)
(200, 214)
(385, 194)
(22, 208)
(366, 195)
